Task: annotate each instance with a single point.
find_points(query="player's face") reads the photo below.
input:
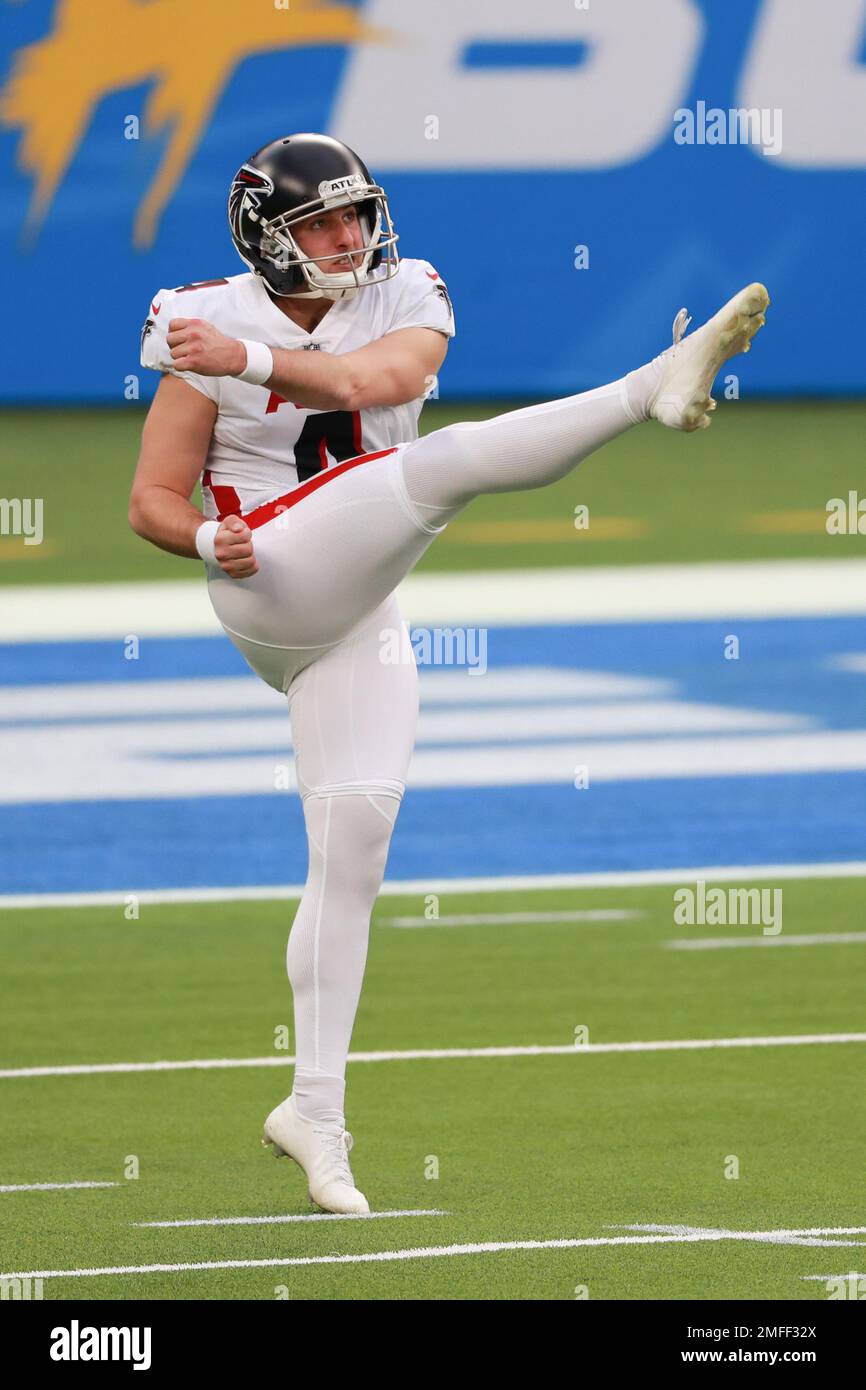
(328, 234)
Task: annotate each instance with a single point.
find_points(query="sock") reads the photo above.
(348, 836)
(640, 386)
(319, 1097)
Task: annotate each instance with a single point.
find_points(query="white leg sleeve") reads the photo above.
(353, 714)
(522, 450)
(348, 839)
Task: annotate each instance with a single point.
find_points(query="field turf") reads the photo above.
(711, 1144)
(536, 1148)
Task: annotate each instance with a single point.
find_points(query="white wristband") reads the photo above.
(260, 363)
(204, 539)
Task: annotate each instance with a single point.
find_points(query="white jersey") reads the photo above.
(263, 445)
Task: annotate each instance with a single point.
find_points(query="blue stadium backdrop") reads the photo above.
(569, 166)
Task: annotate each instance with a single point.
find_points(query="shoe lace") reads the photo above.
(338, 1142)
(680, 324)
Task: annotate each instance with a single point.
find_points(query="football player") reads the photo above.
(294, 392)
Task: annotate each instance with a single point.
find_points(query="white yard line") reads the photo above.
(438, 1054)
(678, 1235)
(639, 878)
(280, 1220)
(810, 1235)
(489, 919)
(51, 1186)
(722, 943)
(379, 1256)
(604, 593)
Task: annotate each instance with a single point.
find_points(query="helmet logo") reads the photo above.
(245, 196)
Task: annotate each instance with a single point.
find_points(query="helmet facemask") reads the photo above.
(278, 244)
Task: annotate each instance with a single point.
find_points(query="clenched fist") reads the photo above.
(196, 346)
(233, 547)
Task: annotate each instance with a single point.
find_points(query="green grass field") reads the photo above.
(528, 1148)
(576, 1146)
(755, 485)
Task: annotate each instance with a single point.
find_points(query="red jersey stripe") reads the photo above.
(226, 499)
(260, 515)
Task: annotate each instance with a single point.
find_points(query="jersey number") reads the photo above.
(334, 432)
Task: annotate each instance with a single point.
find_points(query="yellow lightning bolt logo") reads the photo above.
(187, 50)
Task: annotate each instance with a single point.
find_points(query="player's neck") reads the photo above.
(306, 315)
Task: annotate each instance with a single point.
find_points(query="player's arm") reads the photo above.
(395, 369)
(174, 448)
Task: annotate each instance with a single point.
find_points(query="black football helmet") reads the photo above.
(291, 179)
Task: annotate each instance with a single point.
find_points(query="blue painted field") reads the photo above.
(115, 774)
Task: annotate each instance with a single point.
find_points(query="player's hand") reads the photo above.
(196, 346)
(233, 547)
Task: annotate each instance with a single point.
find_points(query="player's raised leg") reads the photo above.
(538, 445)
(327, 562)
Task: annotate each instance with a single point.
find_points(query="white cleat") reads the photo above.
(322, 1151)
(682, 398)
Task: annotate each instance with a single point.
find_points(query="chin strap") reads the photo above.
(346, 292)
